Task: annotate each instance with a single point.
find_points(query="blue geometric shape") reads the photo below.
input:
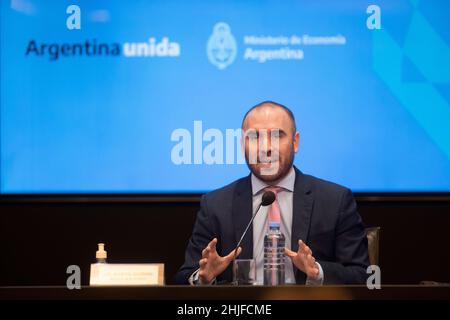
(421, 99)
(431, 54)
(444, 90)
(410, 73)
(438, 19)
(397, 21)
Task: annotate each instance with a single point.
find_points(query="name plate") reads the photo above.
(119, 274)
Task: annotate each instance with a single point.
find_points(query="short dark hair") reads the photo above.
(268, 102)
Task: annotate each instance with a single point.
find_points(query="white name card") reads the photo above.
(119, 274)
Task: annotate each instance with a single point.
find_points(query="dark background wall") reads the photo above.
(38, 240)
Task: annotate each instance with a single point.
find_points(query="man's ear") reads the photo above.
(296, 141)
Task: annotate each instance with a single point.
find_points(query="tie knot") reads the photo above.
(274, 189)
(274, 209)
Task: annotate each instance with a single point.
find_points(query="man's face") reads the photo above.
(269, 142)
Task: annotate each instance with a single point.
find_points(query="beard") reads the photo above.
(266, 171)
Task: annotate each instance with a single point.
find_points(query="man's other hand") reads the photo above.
(211, 264)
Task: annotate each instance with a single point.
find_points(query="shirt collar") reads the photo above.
(287, 182)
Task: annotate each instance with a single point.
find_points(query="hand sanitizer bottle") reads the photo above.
(100, 255)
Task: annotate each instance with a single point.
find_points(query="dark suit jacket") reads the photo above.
(324, 217)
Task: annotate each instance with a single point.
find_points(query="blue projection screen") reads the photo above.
(148, 96)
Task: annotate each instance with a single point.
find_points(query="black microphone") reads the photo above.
(267, 199)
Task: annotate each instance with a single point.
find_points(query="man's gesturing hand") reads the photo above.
(303, 260)
(211, 264)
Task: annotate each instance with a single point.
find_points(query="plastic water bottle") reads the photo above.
(274, 267)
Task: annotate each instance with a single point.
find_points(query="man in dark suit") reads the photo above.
(325, 238)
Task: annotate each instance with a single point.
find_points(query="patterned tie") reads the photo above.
(274, 209)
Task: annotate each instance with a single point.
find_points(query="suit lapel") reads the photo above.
(242, 213)
(302, 208)
(301, 215)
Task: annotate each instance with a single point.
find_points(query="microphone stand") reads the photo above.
(234, 282)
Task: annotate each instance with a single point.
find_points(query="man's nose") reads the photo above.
(265, 146)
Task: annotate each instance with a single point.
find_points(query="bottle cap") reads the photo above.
(274, 225)
(101, 253)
